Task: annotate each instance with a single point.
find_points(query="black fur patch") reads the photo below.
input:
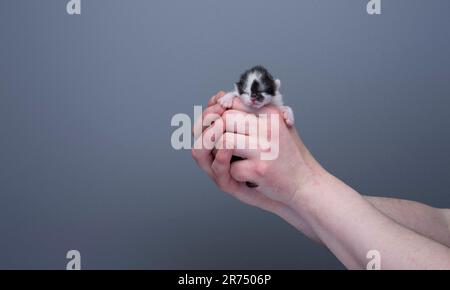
(255, 87)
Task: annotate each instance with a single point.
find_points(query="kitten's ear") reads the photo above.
(236, 88)
(278, 84)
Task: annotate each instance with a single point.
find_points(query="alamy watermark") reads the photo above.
(73, 7)
(374, 7)
(74, 257)
(253, 132)
(374, 257)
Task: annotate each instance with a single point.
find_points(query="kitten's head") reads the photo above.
(257, 87)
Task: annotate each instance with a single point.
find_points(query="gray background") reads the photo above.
(86, 103)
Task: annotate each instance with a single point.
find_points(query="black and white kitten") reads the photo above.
(257, 88)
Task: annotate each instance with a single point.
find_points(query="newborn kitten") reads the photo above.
(256, 89)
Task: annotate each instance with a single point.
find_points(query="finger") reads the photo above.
(212, 135)
(202, 152)
(209, 115)
(213, 100)
(243, 146)
(221, 170)
(204, 160)
(244, 171)
(241, 122)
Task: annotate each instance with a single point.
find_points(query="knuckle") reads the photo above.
(221, 158)
(214, 169)
(231, 114)
(229, 140)
(227, 115)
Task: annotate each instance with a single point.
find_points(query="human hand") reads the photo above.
(278, 178)
(231, 178)
(217, 163)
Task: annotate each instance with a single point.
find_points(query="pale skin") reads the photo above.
(407, 234)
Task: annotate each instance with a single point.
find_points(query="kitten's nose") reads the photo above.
(255, 98)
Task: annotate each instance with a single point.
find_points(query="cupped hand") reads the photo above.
(279, 180)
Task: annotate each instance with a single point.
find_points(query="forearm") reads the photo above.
(293, 218)
(427, 221)
(350, 227)
(430, 222)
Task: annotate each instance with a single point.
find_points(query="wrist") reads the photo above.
(311, 177)
(312, 191)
